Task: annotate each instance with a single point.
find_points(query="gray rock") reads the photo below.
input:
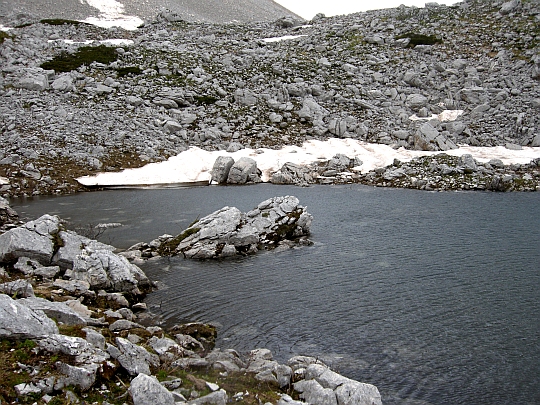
(416, 101)
(19, 322)
(145, 389)
(214, 398)
(73, 245)
(266, 376)
(244, 171)
(357, 393)
(75, 287)
(510, 7)
(55, 310)
(21, 242)
(339, 162)
(322, 385)
(324, 376)
(83, 352)
(291, 173)
(17, 288)
(104, 269)
(83, 377)
(63, 83)
(7, 214)
(313, 393)
(467, 163)
(245, 97)
(284, 375)
(221, 169)
(337, 127)
(164, 346)
(95, 338)
(312, 112)
(24, 389)
(512, 146)
(287, 400)
(124, 324)
(102, 89)
(229, 232)
(172, 127)
(135, 359)
(34, 83)
(401, 134)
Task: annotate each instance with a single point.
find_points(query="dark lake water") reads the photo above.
(432, 297)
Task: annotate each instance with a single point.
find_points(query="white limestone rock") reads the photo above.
(19, 322)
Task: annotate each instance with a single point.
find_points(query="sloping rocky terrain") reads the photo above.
(223, 11)
(70, 109)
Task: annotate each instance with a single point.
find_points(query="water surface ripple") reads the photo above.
(433, 297)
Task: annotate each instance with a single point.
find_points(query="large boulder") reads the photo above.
(146, 390)
(291, 173)
(324, 386)
(56, 310)
(135, 359)
(19, 322)
(221, 168)
(428, 138)
(35, 240)
(72, 245)
(229, 232)
(103, 269)
(244, 171)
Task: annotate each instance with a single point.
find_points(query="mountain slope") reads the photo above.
(191, 10)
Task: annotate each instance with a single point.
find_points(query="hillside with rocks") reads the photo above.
(75, 100)
(224, 11)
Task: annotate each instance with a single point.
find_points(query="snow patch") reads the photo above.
(112, 15)
(4, 28)
(195, 164)
(115, 42)
(283, 38)
(446, 115)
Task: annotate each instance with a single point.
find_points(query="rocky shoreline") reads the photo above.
(77, 99)
(74, 329)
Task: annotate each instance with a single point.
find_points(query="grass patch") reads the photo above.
(86, 55)
(3, 36)
(205, 100)
(420, 39)
(129, 70)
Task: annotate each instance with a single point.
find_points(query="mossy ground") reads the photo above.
(85, 55)
(3, 36)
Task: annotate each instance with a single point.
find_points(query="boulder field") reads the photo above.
(76, 99)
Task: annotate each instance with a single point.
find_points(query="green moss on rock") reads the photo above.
(168, 248)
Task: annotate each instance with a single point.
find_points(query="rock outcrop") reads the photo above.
(43, 248)
(279, 221)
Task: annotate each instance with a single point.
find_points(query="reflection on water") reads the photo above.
(433, 297)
